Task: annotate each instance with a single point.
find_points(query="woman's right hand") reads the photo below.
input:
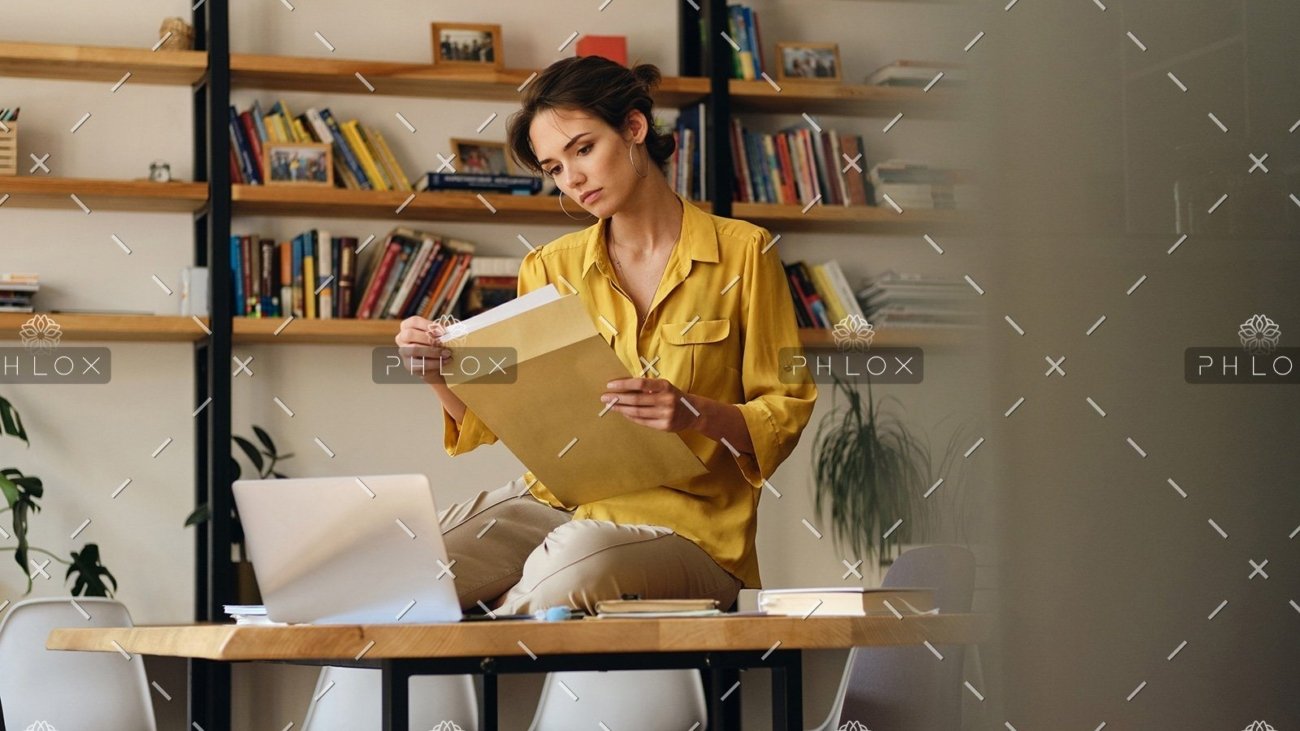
(419, 339)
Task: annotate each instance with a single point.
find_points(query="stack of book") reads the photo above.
(9, 115)
(686, 167)
(915, 301)
(822, 295)
(798, 165)
(494, 280)
(913, 185)
(362, 158)
(847, 601)
(918, 74)
(17, 291)
(742, 23)
(319, 276)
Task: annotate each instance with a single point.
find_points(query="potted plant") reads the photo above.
(871, 470)
(22, 494)
(264, 461)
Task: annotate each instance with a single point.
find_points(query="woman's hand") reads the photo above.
(652, 402)
(420, 347)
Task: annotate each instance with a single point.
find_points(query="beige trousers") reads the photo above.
(517, 554)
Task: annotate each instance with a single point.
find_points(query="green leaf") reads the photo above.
(201, 514)
(90, 573)
(265, 439)
(250, 451)
(11, 423)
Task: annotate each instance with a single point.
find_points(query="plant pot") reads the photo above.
(246, 591)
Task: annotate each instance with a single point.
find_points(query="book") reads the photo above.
(846, 601)
(657, 608)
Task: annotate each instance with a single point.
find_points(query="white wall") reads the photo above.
(88, 439)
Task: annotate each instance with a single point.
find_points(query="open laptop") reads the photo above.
(348, 550)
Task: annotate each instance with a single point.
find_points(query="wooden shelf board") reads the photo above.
(32, 191)
(101, 63)
(302, 330)
(108, 326)
(330, 75)
(814, 97)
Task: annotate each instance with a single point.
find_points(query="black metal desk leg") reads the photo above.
(397, 696)
(487, 713)
(723, 689)
(787, 691)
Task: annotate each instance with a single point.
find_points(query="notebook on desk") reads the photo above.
(348, 550)
(548, 410)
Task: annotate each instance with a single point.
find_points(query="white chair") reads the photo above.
(908, 688)
(70, 690)
(624, 700)
(350, 699)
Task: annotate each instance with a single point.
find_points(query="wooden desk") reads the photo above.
(492, 647)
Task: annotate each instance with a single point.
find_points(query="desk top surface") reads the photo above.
(232, 642)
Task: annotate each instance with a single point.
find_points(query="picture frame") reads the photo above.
(468, 45)
(484, 157)
(298, 163)
(809, 61)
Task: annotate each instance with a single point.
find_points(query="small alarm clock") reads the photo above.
(160, 171)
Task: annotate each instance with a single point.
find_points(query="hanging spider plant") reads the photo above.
(872, 471)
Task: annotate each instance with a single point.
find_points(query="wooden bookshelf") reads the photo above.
(35, 191)
(101, 63)
(108, 326)
(858, 100)
(339, 76)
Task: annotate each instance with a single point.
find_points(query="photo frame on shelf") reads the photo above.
(298, 163)
(483, 157)
(468, 45)
(808, 61)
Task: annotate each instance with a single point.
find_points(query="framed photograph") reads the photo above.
(479, 156)
(808, 61)
(475, 45)
(298, 163)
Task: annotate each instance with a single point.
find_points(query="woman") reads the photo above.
(696, 305)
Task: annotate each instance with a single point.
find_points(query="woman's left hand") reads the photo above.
(652, 402)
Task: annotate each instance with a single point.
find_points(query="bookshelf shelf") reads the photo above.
(109, 195)
(101, 63)
(339, 76)
(108, 326)
(861, 100)
(329, 332)
(293, 200)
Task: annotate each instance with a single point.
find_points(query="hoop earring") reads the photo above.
(576, 218)
(629, 158)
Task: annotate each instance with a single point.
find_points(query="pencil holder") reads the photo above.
(9, 149)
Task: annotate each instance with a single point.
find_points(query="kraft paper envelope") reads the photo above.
(550, 416)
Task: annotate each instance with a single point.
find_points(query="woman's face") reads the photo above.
(587, 158)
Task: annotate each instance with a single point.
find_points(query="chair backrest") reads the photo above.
(70, 690)
(619, 698)
(350, 699)
(908, 688)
